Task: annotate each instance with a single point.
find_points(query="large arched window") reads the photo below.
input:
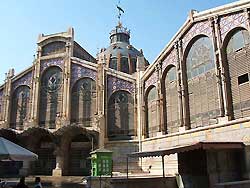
(19, 108)
(120, 116)
(151, 117)
(83, 101)
(113, 63)
(171, 101)
(202, 83)
(238, 58)
(50, 97)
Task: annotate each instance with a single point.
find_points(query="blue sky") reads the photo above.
(152, 24)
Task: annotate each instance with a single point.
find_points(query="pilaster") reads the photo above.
(65, 117)
(217, 69)
(35, 93)
(101, 95)
(179, 84)
(159, 107)
(219, 58)
(7, 99)
(183, 92)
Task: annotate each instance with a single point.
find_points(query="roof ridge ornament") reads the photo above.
(120, 11)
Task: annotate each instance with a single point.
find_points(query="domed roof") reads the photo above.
(119, 48)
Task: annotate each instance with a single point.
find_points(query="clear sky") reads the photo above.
(152, 23)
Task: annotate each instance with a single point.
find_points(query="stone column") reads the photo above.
(179, 87)
(159, 108)
(34, 115)
(220, 59)
(59, 165)
(101, 95)
(65, 117)
(24, 171)
(183, 88)
(7, 99)
(217, 69)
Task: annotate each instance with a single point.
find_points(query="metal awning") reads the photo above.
(189, 147)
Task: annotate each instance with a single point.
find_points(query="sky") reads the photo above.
(152, 24)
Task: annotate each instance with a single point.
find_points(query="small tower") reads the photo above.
(121, 55)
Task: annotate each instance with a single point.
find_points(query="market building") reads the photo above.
(191, 103)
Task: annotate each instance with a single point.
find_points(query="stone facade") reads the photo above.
(196, 90)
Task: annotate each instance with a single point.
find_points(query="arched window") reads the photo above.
(19, 107)
(120, 116)
(83, 102)
(151, 122)
(171, 101)
(124, 65)
(202, 83)
(113, 63)
(238, 59)
(50, 97)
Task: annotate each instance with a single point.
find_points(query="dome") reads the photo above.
(121, 55)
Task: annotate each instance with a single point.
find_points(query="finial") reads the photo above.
(120, 11)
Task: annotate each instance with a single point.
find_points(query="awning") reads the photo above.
(183, 148)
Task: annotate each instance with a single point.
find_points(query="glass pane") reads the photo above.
(200, 57)
(113, 63)
(238, 41)
(124, 65)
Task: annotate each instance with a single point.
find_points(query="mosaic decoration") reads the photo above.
(170, 59)
(228, 22)
(197, 29)
(51, 62)
(116, 84)
(24, 80)
(151, 80)
(78, 71)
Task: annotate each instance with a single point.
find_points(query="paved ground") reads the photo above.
(49, 181)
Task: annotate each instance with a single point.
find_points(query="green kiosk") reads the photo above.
(101, 162)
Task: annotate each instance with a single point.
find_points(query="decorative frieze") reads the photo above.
(116, 84)
(228, 22)
(78, 71)
(51, 62)
(24, 80)
(197, 29)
